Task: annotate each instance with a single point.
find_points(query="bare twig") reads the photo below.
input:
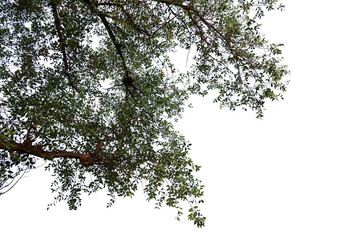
(11, 183)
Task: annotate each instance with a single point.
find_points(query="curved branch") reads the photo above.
(37, 150)
(11, 184)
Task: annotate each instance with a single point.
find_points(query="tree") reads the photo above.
(89, 87)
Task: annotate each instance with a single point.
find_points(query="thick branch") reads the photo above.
(37, 150)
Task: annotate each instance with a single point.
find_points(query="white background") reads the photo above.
(293, 175)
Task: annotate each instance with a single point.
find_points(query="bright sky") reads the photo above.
(293, 175)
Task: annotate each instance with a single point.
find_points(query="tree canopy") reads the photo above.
(90, 87)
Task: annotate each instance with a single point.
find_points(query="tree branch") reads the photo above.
(239, 54)
(11, 184)
(186, 7)
(201, 32)
(37, 150)
(106, 23)
(53, 5)
(128, 16)
(61, 39)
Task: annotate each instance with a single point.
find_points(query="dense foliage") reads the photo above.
(89, 87)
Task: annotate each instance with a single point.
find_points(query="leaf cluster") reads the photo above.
(64, 98)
